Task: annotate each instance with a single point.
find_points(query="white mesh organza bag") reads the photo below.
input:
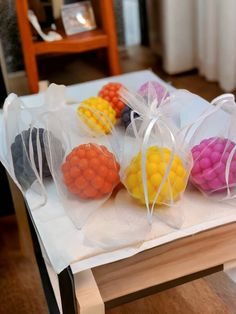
(85, 168)
(22, 148)
(156, 164)
(213, 144)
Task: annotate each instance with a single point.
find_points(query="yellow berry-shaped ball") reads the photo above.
(157, 160)
(97, 114)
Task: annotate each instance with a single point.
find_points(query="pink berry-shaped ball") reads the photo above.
(209, 165)
(155, 88)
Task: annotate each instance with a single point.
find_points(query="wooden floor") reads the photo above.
(74, 70)
(21, 291)
(20, 287)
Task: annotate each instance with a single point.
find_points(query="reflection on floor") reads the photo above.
(20, 286)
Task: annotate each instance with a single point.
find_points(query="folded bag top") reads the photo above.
(23, 150)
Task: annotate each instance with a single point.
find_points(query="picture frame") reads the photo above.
(78, 17)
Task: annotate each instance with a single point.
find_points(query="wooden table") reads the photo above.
(151, 271)
(166, 266)
(146, 273)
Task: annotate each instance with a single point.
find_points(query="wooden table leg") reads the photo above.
(87, 293)
(77, 293)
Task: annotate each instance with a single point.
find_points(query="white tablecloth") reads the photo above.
(65, 245)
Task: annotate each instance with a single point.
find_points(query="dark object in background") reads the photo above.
(43, 10)
(125, 118)
(143, 23)
(70, 1)
(5, 194)
(20, 152)
(3, 93)
(38, 8)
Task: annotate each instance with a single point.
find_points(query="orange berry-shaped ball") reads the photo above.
(110, 92)
(97, 114)
(156, 167)
(90, 171)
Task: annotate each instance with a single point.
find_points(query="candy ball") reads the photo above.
(90, 171)
(156, 166)
(97, 114)
(110, 92)
(153, 86)
(209, 165)
(20, 156)
(126, 116)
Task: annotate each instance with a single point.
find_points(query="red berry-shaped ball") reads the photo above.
(110, 92)
(90, 171)
(209, 165)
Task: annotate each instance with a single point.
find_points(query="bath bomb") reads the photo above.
(20, 156)
(90, 171)
(110, 92)
(209, 165)
(155, 89)
(97, 114)
(156, 167)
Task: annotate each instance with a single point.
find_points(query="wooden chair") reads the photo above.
(102, 37)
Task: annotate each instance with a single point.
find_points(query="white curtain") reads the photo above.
(200, 34)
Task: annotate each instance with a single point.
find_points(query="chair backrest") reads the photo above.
(23, 22)
(27, 44)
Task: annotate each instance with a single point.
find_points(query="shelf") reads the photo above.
(75, 43)
(102, 37)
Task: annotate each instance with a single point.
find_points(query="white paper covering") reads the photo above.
(65, 245)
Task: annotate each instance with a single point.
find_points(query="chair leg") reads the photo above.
(113, 58)
(106, 7)
(32, 73)
(27, 44)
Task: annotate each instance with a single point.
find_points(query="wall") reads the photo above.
(10, 37)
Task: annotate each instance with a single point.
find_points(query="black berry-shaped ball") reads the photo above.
(125, 117)
(20, 150)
